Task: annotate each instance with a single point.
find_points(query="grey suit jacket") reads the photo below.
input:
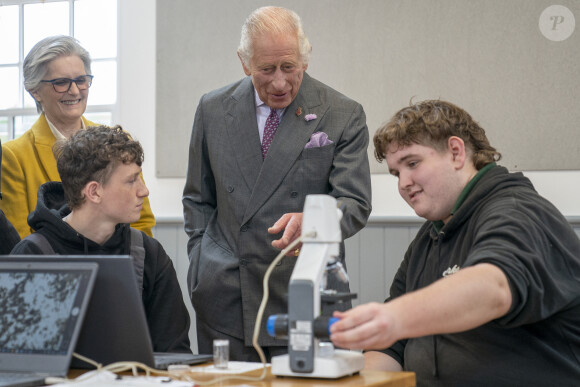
(232, 196)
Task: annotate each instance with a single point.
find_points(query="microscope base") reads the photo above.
(341, 363)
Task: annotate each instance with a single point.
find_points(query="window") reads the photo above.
(23, 23)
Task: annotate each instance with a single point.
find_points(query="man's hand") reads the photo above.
(291, 223)
(368, 326)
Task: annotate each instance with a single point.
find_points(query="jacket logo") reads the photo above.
(451, 270)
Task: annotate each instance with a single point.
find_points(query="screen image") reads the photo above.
(37, 310)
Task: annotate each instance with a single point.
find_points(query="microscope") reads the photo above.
(303, 326)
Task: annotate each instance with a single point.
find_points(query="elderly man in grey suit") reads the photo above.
(258, 147)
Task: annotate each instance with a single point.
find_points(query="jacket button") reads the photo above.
(243, 262)
(293, 194)
(230, 189)
(244, 228)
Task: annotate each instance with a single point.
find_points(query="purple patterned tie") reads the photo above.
(269, 129)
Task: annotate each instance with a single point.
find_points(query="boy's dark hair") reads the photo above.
(92, 155)
(431, 123)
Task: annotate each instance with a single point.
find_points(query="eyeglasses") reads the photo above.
(62, 85)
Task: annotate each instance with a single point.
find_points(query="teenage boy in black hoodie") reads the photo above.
(488, 293)
(89, 213)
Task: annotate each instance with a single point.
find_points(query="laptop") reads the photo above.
(42, 306)
(115, 327)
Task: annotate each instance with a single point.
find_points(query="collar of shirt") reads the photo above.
(57, 134)
(262, 113)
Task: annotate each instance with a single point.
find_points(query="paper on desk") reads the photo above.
(109, 379)
(234, 367)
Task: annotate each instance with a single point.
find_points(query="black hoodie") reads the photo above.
(505, 222)
(166, 313)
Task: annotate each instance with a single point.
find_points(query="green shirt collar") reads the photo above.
(463, 195)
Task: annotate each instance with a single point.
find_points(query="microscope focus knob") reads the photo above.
(277, 326)
(322, 325)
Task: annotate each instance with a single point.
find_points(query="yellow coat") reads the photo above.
(27, 163)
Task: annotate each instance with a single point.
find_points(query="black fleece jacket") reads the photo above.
(505, 222)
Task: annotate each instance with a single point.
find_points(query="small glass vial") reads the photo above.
(221, 353)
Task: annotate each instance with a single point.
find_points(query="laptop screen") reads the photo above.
(41, 308)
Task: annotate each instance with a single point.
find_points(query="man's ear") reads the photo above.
(246, 70)
(458, 152)
(305, 66)
(93, 191)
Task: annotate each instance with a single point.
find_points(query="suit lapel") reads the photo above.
(43, 143)
(242, 129)
(44, 140)
(289, 141)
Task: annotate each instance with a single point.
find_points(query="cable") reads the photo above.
(259, 316)
(265, 296)
(87, 360)
(188, 375)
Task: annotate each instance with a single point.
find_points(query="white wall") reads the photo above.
(137, 115)
(137, 99)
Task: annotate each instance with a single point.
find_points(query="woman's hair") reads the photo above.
(272, 20)
(92, 155)
(48, 49)
(431, 123)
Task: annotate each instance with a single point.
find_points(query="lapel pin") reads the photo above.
(299, 111)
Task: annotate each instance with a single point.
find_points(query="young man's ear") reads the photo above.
(92, 192)
(458, 151)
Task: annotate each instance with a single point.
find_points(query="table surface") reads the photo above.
(363, 379)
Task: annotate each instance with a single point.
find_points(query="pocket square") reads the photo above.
(318, 140)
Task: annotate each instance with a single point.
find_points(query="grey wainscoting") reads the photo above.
(373, 255)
